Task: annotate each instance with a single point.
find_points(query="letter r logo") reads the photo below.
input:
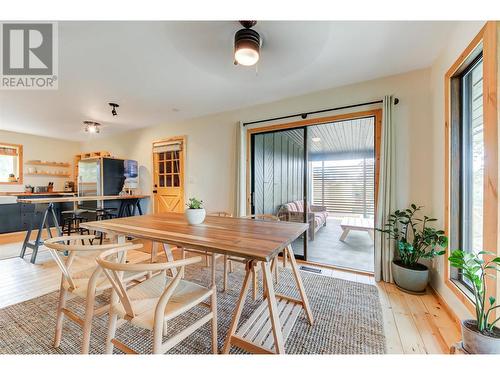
(27, 49)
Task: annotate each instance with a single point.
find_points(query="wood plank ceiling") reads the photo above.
(351, 138)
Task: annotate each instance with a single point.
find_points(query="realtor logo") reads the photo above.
(28, 56)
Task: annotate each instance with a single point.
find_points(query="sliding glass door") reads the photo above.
(341, 168)
(321, 174)
(279, 177)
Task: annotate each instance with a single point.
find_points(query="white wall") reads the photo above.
(41, 148)
(211, 140)
(458, 41)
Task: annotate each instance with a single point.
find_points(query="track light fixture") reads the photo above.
(113, 110)
(92, 127)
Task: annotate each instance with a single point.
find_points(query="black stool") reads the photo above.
(71, 221)
(104, 214)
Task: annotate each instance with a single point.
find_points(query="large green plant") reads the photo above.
(476, 270)
(415, 238)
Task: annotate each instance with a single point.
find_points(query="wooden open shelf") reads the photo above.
(48, 163)
(48, 174)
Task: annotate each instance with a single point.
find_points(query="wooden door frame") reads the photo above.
(183, 139)
(20, 163)
(376, 113)
(487, 38)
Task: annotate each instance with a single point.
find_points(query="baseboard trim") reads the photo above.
(447, 307)
(7, 238)
(336, 268)
(13, 237)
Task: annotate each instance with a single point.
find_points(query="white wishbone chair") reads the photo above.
(153, 302)
(86, 282)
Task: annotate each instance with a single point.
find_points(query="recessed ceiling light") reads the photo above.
(316, 139)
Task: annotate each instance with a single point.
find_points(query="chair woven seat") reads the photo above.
(144, 298)
(81, 281)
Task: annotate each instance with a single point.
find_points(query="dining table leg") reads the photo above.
(213, 302)
(239, 308)
(279, 345)
(300, 285)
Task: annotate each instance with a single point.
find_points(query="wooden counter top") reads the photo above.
(35, 200)
(24, 194)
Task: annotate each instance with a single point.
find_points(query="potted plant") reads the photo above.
(479, 336)
(415, 240)
(195, 213)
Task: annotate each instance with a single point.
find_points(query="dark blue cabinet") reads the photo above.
(16, 217)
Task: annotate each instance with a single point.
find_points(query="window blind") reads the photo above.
(166, 147)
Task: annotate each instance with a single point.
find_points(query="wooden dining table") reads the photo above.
(259, 242)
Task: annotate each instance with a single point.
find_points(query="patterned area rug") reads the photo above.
(348, 320)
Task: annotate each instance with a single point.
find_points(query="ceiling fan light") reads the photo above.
(247, 47)
(246, 56)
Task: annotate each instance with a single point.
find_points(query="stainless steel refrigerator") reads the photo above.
(104, 176)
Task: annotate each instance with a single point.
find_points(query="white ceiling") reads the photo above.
(161, 72)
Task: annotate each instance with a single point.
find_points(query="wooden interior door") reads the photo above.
(168, 160)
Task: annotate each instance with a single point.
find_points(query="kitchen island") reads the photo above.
(51, 212)
(14, 216)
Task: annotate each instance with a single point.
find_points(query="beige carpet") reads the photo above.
(348, 320)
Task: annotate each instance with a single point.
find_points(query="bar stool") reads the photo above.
(71, 221)
(104, 214)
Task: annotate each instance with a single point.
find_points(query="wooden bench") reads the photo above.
(359, 224)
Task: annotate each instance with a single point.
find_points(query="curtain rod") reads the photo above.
(305, 114)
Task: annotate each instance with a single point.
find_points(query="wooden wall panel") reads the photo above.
(284, 169)
(290, 170)
(278, 171)
(268, 172)
(259, 174)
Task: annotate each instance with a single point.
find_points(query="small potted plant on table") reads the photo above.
(415, 240)
(195, 213)
(479, 336)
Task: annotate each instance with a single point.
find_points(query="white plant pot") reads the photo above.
(195, 216)
(410, 280)
(475, 342)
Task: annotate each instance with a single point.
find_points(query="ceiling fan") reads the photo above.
(247, 43)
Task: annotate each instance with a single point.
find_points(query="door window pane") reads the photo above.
(473, 158)
(467, 163)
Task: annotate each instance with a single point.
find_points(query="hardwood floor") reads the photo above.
(413, 324)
